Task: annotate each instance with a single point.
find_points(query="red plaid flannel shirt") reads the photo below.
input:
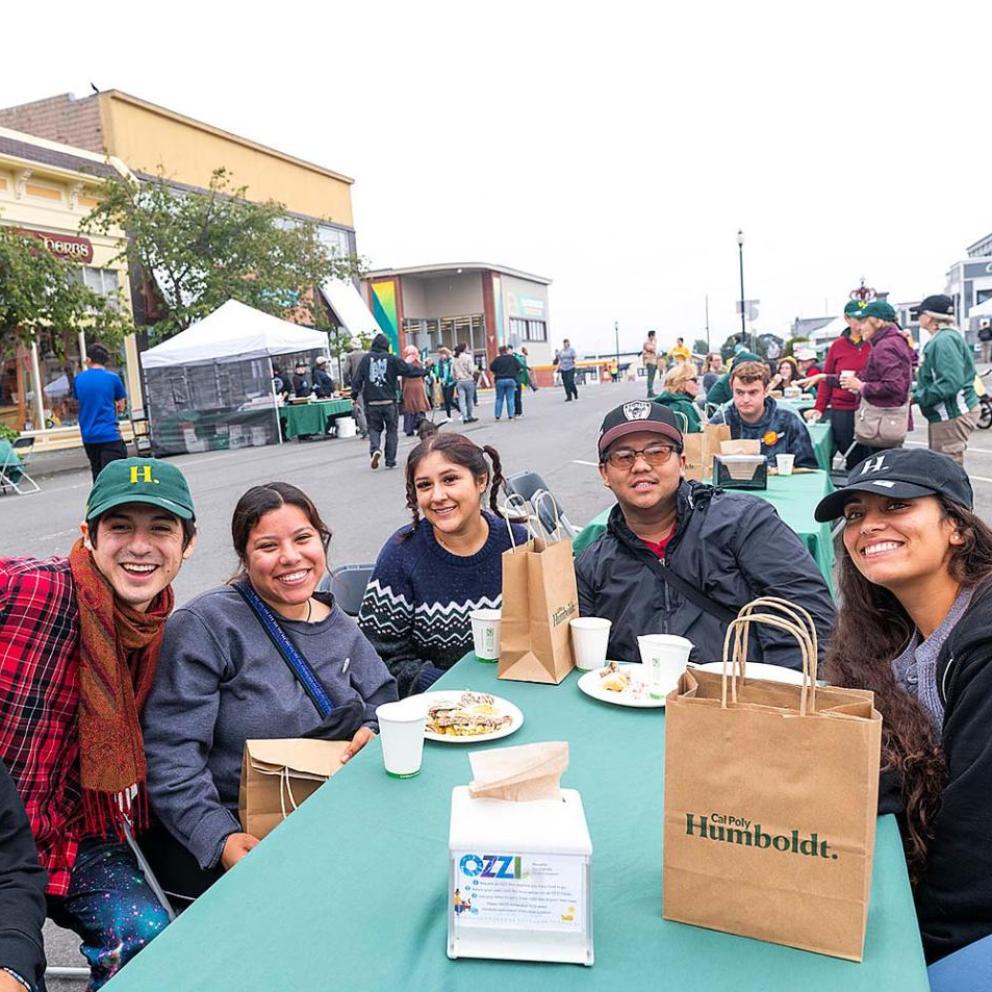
(39, 702)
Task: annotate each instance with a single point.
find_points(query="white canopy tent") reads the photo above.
(982, 310)
(234, 332)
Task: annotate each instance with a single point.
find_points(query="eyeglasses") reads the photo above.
(653, 454)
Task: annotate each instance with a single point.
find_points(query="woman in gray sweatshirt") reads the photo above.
(220, 680)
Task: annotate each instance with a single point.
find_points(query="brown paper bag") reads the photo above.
(540, 596)
(741, 446)
(771, 795)
(277, 775)
(700, 449)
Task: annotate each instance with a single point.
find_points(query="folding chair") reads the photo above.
(347, 584)
(14, 459)
(527, 485)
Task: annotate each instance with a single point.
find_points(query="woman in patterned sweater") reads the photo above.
(431, 575)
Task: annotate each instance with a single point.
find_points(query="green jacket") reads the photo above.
(681, 403)
(721, 392)
(945, 384)
(523, 375)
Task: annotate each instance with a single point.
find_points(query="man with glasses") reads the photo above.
(681, 557)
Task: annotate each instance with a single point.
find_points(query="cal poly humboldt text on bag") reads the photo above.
(771, 794)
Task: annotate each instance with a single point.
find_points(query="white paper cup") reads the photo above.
(664, 657)
(401, 731)
(485, 634)
(784, 464)
(847, 373)
(590, 635)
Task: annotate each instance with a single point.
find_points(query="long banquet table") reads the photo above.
(305, 419)
(351, 892)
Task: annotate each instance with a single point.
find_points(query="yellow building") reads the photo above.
(46, 189)
(147, 137)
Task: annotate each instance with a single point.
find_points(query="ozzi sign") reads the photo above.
(63, 245)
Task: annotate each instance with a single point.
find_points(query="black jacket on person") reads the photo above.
(323, 384)
(378, 373)
(954, 899)
(22, 889)
(730, 546)
(301, 385)
(504, 367)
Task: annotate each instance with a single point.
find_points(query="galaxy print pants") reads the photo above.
(110, 906)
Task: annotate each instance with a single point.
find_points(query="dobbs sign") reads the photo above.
(63, 245)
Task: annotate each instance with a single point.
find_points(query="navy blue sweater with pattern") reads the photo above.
(417, 604)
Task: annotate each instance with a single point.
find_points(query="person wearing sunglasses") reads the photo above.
(681, 387)
(681, 557)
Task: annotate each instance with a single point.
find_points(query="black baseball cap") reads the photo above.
(635, 416)
(940, 304)
(903, 473)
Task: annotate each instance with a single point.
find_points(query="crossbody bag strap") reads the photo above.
(297, 664)
(691, 593)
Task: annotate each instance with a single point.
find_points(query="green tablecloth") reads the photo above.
(351, 891)
(823, 443)
(311, 418)
(794, 497)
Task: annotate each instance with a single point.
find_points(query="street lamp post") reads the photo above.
(740, 254)
(616, 337)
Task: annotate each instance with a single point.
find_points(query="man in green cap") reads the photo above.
(79, 642)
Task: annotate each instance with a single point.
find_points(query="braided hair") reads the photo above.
(459, 450)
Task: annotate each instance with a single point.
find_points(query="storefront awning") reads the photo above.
(349, 307)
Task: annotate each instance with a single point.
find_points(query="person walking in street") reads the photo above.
(22, 896)
(416, 403)
(352, 360)
(377, 381)
(565, 359)
(887, 376)
(649, 359)
(504, 368)
(323, 384)
(464, 371)
(101, 397)
(849, 353)
(945, 386)
(523, 379)
(79, 645)
(446, 380)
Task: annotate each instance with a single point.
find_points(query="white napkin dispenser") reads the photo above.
(519, 879)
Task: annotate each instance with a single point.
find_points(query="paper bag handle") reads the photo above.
(796, 622)
(512, 510)
(286, 788)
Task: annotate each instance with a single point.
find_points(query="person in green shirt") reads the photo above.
(721, 392)
(681, 387)
(945, 384)
(523, 378)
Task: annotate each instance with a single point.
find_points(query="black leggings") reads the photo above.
(842, 428)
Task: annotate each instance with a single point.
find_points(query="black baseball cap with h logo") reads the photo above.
(901, 473)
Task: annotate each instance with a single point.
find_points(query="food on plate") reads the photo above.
(472, 714)
(614, 678)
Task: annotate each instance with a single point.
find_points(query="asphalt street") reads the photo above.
(362, 506)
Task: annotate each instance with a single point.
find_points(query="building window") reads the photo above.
(527, 330)
(341, 243)
(106, 282)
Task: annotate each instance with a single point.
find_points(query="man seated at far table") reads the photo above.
(681, 557)
(754, 414)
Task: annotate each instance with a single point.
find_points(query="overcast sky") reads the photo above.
(613, 149)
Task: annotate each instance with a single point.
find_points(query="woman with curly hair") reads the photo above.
(432, 574)
(916, 628)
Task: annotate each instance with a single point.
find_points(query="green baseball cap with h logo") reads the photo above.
(140, 480)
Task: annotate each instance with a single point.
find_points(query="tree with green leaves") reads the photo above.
(200, 249)
(43, 295)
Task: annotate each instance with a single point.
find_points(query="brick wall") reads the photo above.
(59, 118)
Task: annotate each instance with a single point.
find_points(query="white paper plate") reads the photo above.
(591, 685)
(504, 706)
(757, 670)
